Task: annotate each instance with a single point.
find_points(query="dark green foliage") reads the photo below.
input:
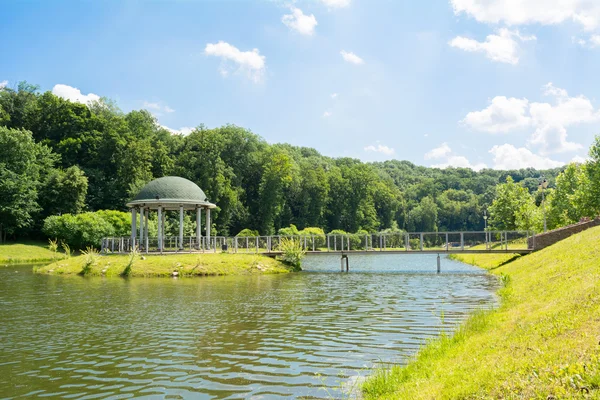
(75, 157)
(63, 191)
(22, 166)
(248, 233)
(87, 229)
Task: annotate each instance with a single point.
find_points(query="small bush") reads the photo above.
(317, 234)
(53, 245)
(291, 231)
(66, 248)
(128, 268)
(248, 233)
(87, 229)
(90, 258)
(293, 253)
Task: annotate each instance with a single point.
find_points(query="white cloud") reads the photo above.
(303, 24)
(152, 106)
(595, 40)
(157, 108)
(379, 148)
(508, 156)
(550, 121)
(336, 3)
(326, 114)
(449, 160)
(250, 62)
(460, 162)
(3, 84)
(334, 95)
(502, 115)
(73, 94)
(184, 131)
(351, 57)
(579, 160)
(438, 152)
(502, 47)
(520, 12)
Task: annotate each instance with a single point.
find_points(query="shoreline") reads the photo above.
(20, 253)
(171, 265)
(541, 341)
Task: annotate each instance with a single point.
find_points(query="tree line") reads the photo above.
(58, 157)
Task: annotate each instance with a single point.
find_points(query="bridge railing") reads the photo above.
(395, 241)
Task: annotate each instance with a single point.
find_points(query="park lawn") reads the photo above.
(543, 342)
(26, 253)
(166, 265)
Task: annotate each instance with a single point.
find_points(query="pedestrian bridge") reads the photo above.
(513, 242)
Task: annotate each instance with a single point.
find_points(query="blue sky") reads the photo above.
(478, 83)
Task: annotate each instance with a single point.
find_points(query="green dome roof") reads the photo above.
(172, 189)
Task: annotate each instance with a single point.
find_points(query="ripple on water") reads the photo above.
(304, 334)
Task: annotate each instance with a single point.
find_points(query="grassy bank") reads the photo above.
(543, 342)
(166, 265)
(26, 253)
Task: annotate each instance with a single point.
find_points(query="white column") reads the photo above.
(164, 223)
(208, 228)
(198, 221)
(181, 227)
(133, 227)
(160, 245)
(146, 215)
(141, 241)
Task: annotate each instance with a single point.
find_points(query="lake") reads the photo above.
(311, 334)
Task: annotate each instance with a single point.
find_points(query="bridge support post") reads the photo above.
(421, 242)
(462, 241)
(344, 257)
(439, 264)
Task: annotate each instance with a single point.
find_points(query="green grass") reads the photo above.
(165, 265)
(27, 253)
(543, 342)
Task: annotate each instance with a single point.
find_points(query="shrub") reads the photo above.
(248, 232)
(291, 231)
(293, 253)
(90, 259)
(53, 245)
(317, 233)
(357, 240)
(87, 229)
(133, 254)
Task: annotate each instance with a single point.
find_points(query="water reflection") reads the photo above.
(232, 337)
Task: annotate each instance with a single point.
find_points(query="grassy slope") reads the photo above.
(26, 253)
(165, 265)
(543, 342)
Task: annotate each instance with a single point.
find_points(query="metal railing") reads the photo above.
(492, 241)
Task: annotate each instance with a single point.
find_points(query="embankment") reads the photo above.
(26, 254)
(181, 265)
(542, 342)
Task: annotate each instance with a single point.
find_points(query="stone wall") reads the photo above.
(543, 240)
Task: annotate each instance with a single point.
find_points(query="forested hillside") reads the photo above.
(57, 157)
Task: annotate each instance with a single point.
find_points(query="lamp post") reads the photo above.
(485, 227)
(543, 185)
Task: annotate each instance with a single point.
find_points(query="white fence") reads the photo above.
(491, 241)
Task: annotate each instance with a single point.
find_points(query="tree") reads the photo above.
(513, 208)
(63, 191)
(21, 163)
(275, 179)
(592, 169)
(423, 218)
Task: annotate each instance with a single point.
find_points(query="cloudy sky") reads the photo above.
(471, 83)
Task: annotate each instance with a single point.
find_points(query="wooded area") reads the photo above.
(60, 157)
